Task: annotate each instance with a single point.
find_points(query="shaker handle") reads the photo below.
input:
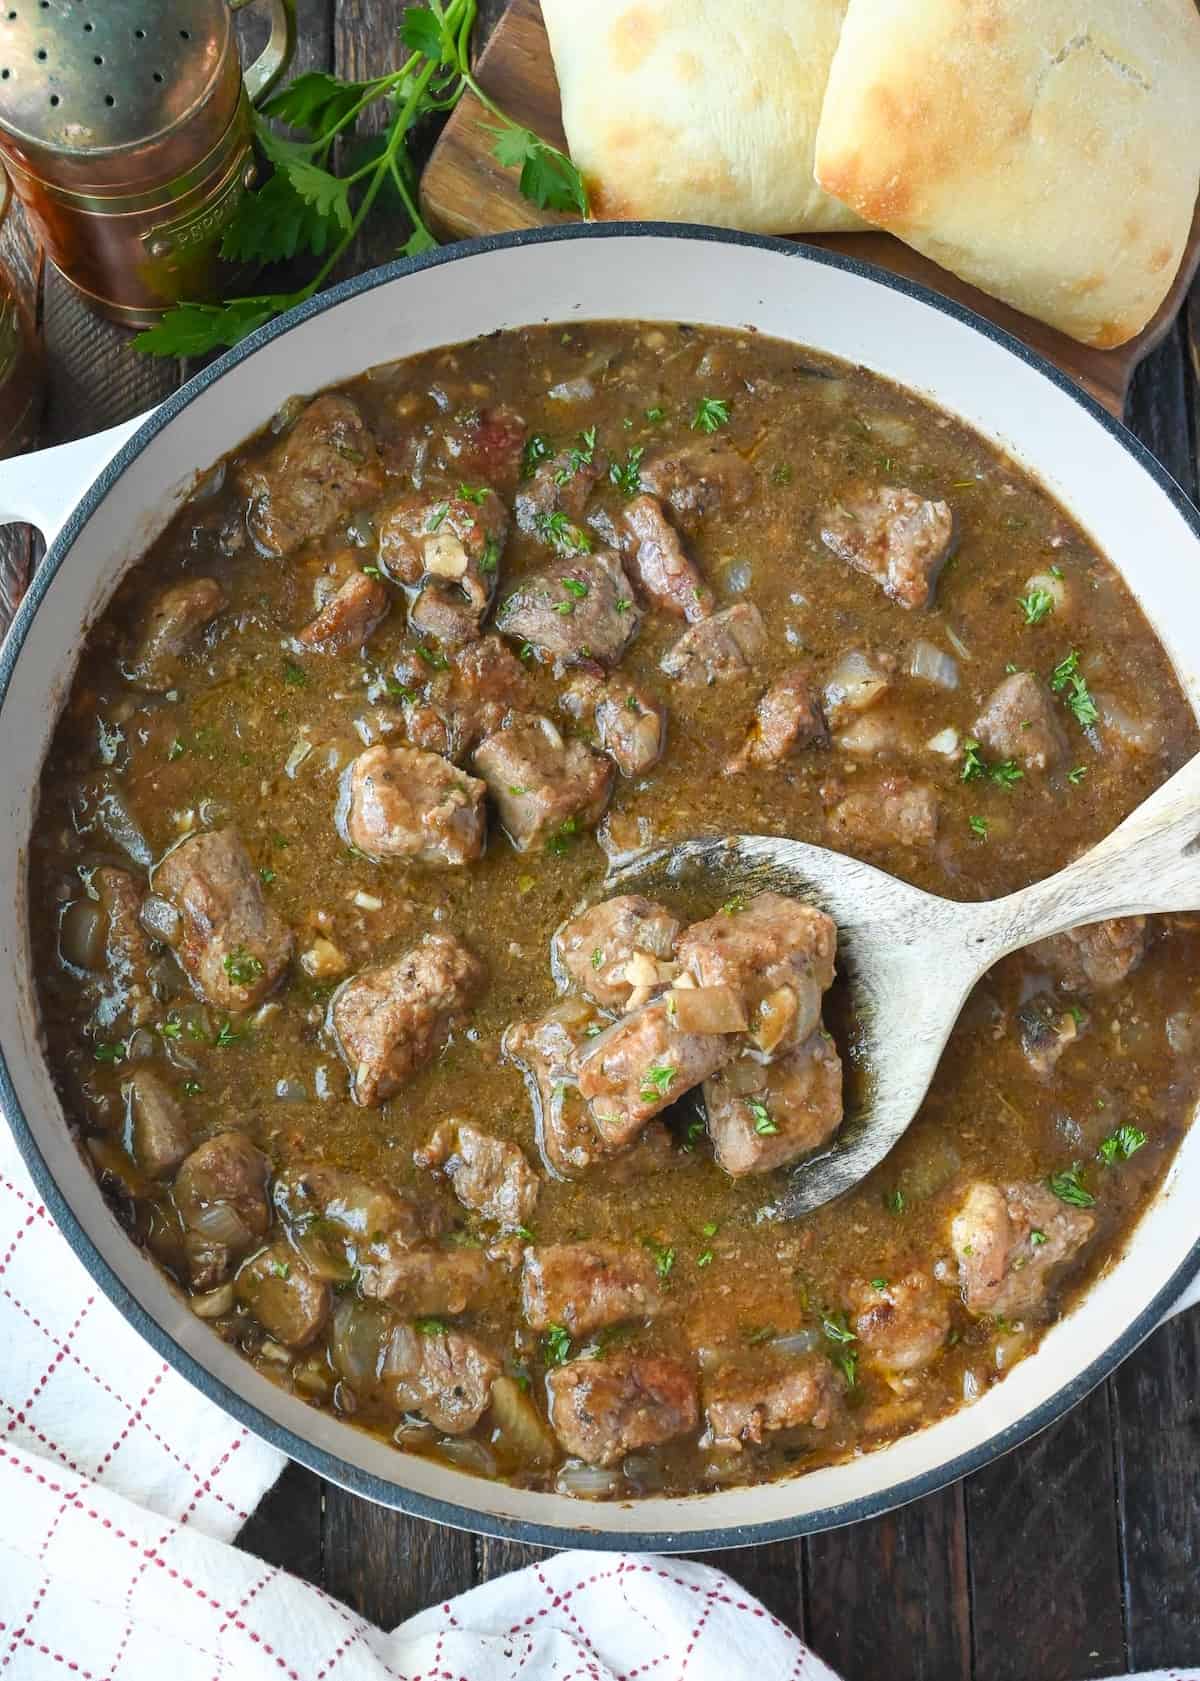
(269, 66)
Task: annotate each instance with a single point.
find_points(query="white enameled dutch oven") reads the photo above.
(103, 499)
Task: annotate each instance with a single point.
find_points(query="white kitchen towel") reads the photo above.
(121, 1486)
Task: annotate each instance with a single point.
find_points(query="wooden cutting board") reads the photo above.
(464, 192)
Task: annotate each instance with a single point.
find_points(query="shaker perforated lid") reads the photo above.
(96, 76)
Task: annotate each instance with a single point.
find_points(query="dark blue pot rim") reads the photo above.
(329, 1465)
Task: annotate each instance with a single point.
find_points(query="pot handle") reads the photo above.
(1190, 1298)
(43, 487)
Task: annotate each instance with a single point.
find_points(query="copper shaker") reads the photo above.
(125, 125)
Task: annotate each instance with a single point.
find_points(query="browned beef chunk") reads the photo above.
(741, 1407)
(630, 724)
(127, 951)
(891, 811)
(594, 950)
(901, 1325)
(719, 649)
(584, 1286)
(545, 1051)
(664, 574)
(157, 1135)
(545, 788)
(443, 1375)
(319, 472)
(763, 1116)
(776, 954)
(1094, 958)
(389, 1020)
(359, 1209)
(1009, 1242)
(697, 481)
(603, 1409)
(290, 1303)
(402, 803)
(788, 716)
(644, 1063)
(469, 699)
(1046, 1028)
(578, 607)
(450, 546)
(232, 943)
(221, 1194)
(484, 445)
(349, 616)
(489, 1175)
(560, 485)
(900, 539)
(171, 630)
(421, 1281)
(1019, 722)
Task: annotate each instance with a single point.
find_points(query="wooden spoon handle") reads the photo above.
(1150, 863)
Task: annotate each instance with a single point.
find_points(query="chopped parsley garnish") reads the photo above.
(709, 414)
(1037, 1238)
(1068, 1186)
(763, 1333)
(627, 474)
(732, 906)
(879, 1284)
(560, 841)
(430, 1327)
(1121, 1144)
(1036, 605)
(656, 1081)
(1067, 675)
(294, 675)
(371, 572)
(1005, 773)
(973, 763)
(537, 449)
(709, 1228)
(597, 958)
(434, 522)
(489, 560)
(838, 1333)
(622, 605)
(242, 967)
(975, 767)
(556, 1345)
(575, 587)
(172, 1028)
(267, 875)
(192, 1088)
(978, 826)
(693, 1132)
(109, 1053)
(782, 474)
(176, 750)
(474, 493)
(556, 528)
(894, 1201)
(281, 1269)
(435, 660)
(524, 1232)
(664, 1256)
(579, 455)
(226, 1035)
(1076, 776)
(704, 1258)
(763, 1124)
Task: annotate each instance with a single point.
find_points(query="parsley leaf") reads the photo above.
(109, 1053)
(1067, 675)
(548, 177)
(429, 1327)
(978, 826)
(537, 449)
(1068, 1186)
(838, 1333)
(627, 474)
(763, 1124)
(657, 1081)
(556, 1345)
(578, 456)
(557, 529)
(1036, 605)
(1121, 1144)
(242, 968)
(710, 414)
(664, 1256)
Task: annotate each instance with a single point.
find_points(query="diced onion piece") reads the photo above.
(213, 1303)
(710, 1009)
(776, 1017)
(1055, 588)
(641, 970)
(221, 1222)
(81, 935)
(519, 1432)
(588, 1482)
(878, 732)
(291, 1091)
(322, 960)
(367, 901)
(445, 556)
(1138, 734)
(356, 1344)
(297, 756)
(795, 1343)
(469, 1455)
(957, 643)
(929, 664)
(572, 391)
(639, 996)
(855, 683)
(272, 1350)
(1181, 1032)
(944, 742)
(323, 1255)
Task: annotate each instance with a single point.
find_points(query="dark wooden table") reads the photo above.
(1076, 1556)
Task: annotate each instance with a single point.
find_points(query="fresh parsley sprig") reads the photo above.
(309, 208)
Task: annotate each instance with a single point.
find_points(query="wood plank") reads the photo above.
(888, 1600)
(1045, 1565)
(1156, 1398)
(286, 1528)
(500, 1558)
(464, 193)
(388, 1566)
(19, 544)
(1159, 404)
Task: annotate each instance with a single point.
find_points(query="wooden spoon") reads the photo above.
(910, 958)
